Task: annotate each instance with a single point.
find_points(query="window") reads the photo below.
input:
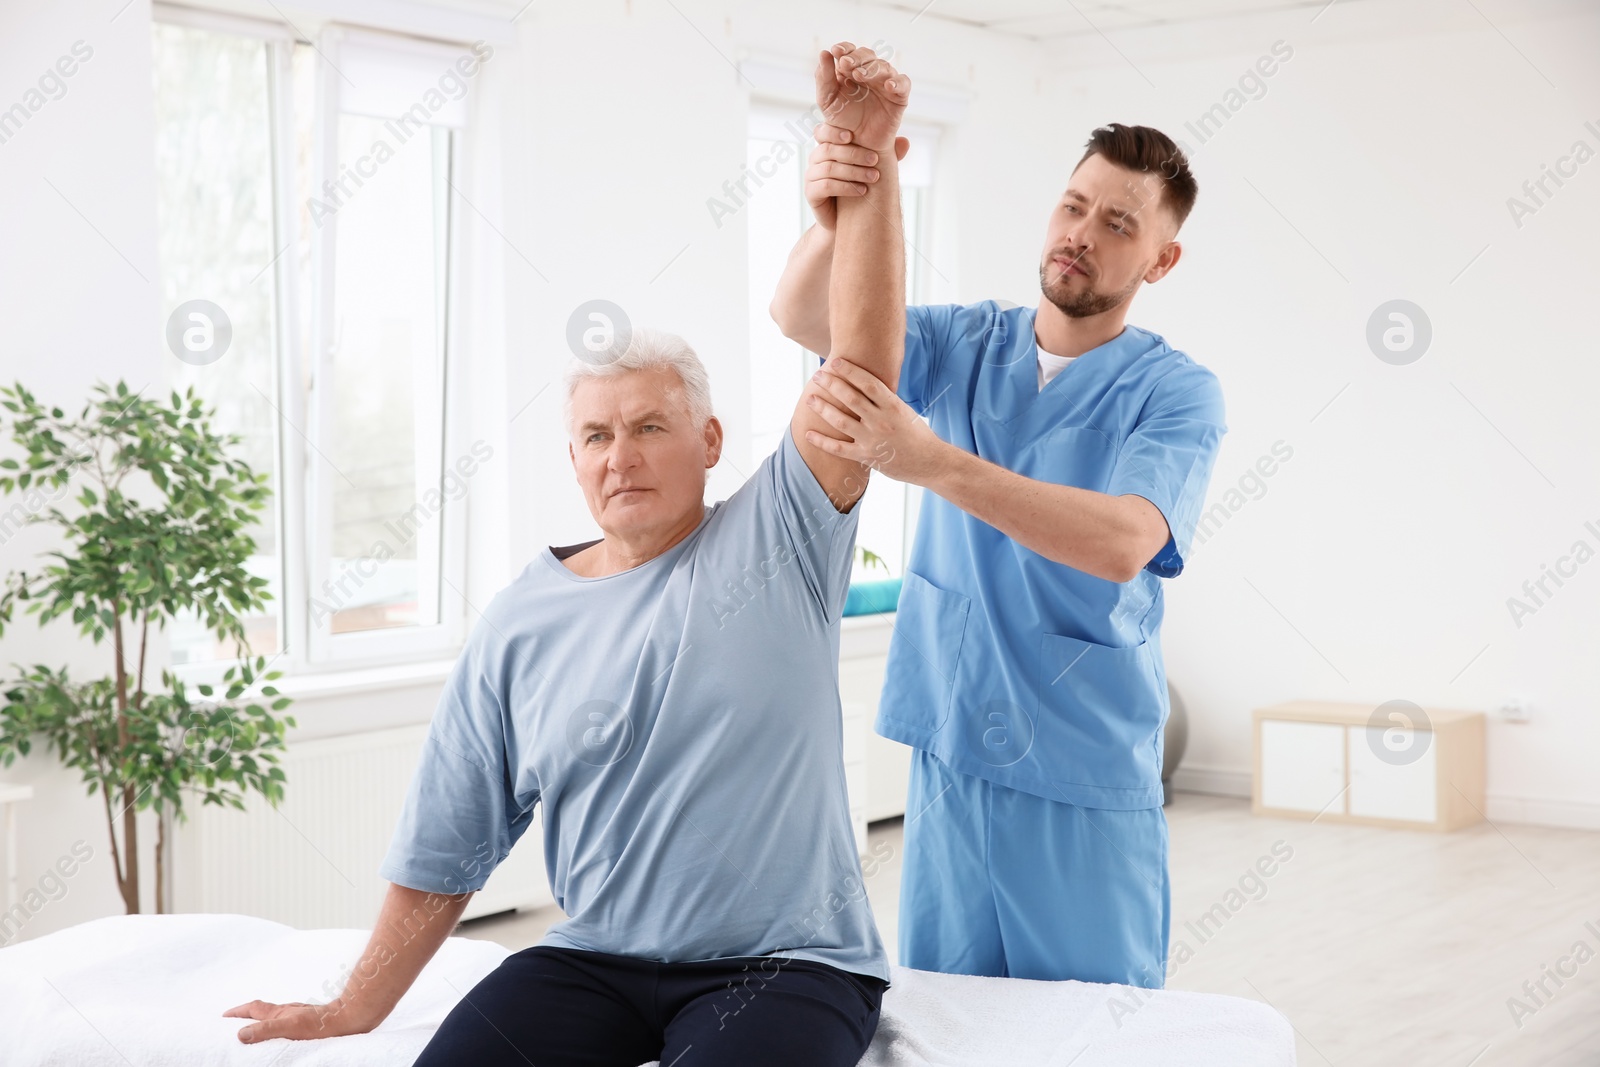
(214, 99)
(305, 192)
(777, 214)
(382, 221)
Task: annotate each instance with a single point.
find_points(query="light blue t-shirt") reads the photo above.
(680, 722)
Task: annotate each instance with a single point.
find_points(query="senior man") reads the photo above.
(669, 693)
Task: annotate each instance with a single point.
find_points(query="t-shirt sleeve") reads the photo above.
(1168, 458)
(460, 817)
(818, 538)
(927, 340)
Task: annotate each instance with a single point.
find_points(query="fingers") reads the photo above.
(842, 390)
(854, 384)
(297, 1027)
(827, 75)
(820, 189)
(848, 58)
(839, 170)
(256, 1009)
(843, 172)
(249, 1035)
(864, 67)
(272, 1020)
(829, 409)
(263, 1009)
(853, 155)
(828, 444)
(826, 178)
(826, 131)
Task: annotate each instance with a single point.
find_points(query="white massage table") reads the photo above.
(142, 991)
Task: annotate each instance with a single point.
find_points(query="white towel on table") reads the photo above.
(955, 1020)
(149, 990)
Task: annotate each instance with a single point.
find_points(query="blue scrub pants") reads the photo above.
(1001, 882)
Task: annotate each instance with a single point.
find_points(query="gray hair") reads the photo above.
(649, 349)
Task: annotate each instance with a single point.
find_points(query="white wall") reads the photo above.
(624, 120)
(1377, 562)
(78, 293)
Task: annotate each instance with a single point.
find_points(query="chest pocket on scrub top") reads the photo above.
(1080, 456)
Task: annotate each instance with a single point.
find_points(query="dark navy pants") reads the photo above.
(560, 1007)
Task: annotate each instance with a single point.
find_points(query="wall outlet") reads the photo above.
(1514, 709)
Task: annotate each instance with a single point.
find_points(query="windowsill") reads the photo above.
(12, 794)
(364, 680)
(865, 635)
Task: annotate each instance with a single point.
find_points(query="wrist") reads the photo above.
(936, 465)
(341, 1016)
(885, 149)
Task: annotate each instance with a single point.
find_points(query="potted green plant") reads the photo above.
(869, 558)
(161, 528)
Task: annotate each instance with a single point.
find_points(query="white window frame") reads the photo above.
(403, 643)
(304, 533)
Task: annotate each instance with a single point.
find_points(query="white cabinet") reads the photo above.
(1385, 790)
(1383, 765)
(1302, 765)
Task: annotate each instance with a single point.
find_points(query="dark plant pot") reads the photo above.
(1175, 739)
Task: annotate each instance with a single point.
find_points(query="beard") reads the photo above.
(1083, 304)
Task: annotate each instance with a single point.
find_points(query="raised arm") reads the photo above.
(866, 289)
(410, 929)
(838, 169)
(800, 304)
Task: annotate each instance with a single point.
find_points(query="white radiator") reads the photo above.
(313, 862)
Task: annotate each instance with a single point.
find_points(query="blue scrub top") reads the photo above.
(1005, 664)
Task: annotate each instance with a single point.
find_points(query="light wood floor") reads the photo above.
(1380, 946)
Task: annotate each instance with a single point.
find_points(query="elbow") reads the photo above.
(783, 319)
(1120, 571)
(1142, 540)
(800, 332)
(1127, 566)
(1108, 568)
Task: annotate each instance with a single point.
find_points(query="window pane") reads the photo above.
(215, 218)
(386, 374)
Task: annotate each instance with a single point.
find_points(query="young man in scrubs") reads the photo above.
(1066, 456)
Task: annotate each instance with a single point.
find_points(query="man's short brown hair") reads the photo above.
(1148, 151)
